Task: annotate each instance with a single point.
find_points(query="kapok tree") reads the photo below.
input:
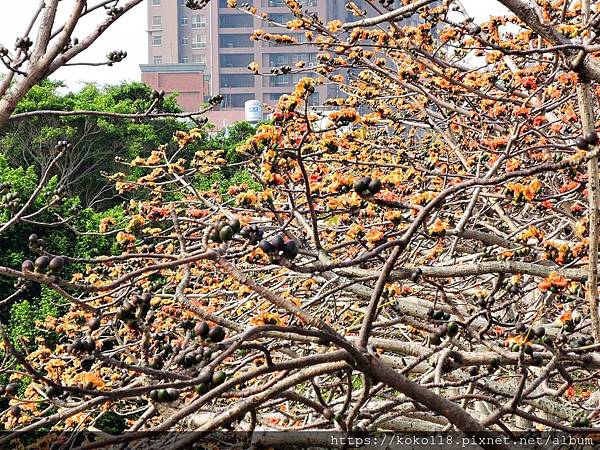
(423, 259)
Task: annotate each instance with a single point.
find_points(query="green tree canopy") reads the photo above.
(96, 140)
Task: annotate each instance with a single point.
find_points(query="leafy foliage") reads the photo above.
(97, 140)
(26, 316)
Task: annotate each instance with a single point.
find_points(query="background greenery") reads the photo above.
(27, 146)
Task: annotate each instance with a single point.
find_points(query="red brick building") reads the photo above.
(186, 79)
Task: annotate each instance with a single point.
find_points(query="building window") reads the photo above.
(198, 22)
(272, 96)
(314, 99)
(156, 40)
(199, 59)
(235, 60)
(284, 80)
(236, 100)
(281, 59)
(235, 41)
(185, 40)
(237, 21)
(155, 2)
(281, 18)
(302, 2)
(237, 80)
(185, 60)
(183, 21)
(223, 3)
(157, 60)
(199, 41)
(156, 21)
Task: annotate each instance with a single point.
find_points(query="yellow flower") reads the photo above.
(91, 378)
(334, 25)
(581, 227)
(374, 235)
(106, 223)
(253, 67)
(438, 228)
(124, 237)
(295, 24)
(266, 318)
(135, 222)
(152, 231)
(355, 231)
(569, 31)
(138, 161)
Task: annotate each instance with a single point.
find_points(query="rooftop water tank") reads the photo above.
(254, 111)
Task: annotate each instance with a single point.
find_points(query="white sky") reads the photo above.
(129, 34)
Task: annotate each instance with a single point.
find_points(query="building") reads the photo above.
(207, 52)
(186, 79)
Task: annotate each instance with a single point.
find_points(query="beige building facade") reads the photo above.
(207, 52)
